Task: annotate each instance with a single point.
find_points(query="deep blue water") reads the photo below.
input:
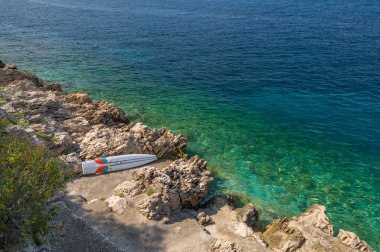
(282, 97)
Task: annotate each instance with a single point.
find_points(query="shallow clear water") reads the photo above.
(281, 97)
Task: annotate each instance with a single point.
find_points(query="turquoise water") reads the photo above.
(281, 97)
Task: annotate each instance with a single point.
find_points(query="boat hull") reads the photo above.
(116, 163)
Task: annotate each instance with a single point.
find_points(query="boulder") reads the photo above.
(163, 142)
(282, 237)
(131, 188)
(185, 180)
(249, 215)
(95, 112)
(310, 231)
(154, 207)
(315, 215)
(73, 162)
(181, 184)
(116, 204)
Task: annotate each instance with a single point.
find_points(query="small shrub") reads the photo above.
(149, 191)
(121, 195)
(102, 198)
(29, 176)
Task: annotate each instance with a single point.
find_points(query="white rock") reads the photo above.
(117, 204)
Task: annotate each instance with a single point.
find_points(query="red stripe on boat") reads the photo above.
(100, 169)
(99, 161)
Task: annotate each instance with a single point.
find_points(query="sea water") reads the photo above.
(281, 97)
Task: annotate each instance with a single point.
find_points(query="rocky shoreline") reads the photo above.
(167, 195)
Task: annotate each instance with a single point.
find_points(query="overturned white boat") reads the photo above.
(116, 163)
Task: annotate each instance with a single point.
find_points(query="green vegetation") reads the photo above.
(45, 137)
(149, 191)
(3, 99)
(29, 176)
(20, 115)
(102, 198)
(121, 195)
(22, 123)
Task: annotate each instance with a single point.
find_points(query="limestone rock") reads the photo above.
(224, 246)
(249, 215)
(117, 204)
(19, 75)
(310, 231)
(154, 207)
(230, 223)
(96, 128)
(9, 66)
(243, 230)
(174, 199)
(62, 142)
(164, 143)
(18, 131)
(96, 112)
(22, 85)
(76, 125)
(353, 241)
(282, 237)
(6, 73)
(216, 203)
(131, 188)
(317, 217)
(182, 180)
(53, 87)
(182, 184)
(106, 141)
(203, 219)
(73, 162)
